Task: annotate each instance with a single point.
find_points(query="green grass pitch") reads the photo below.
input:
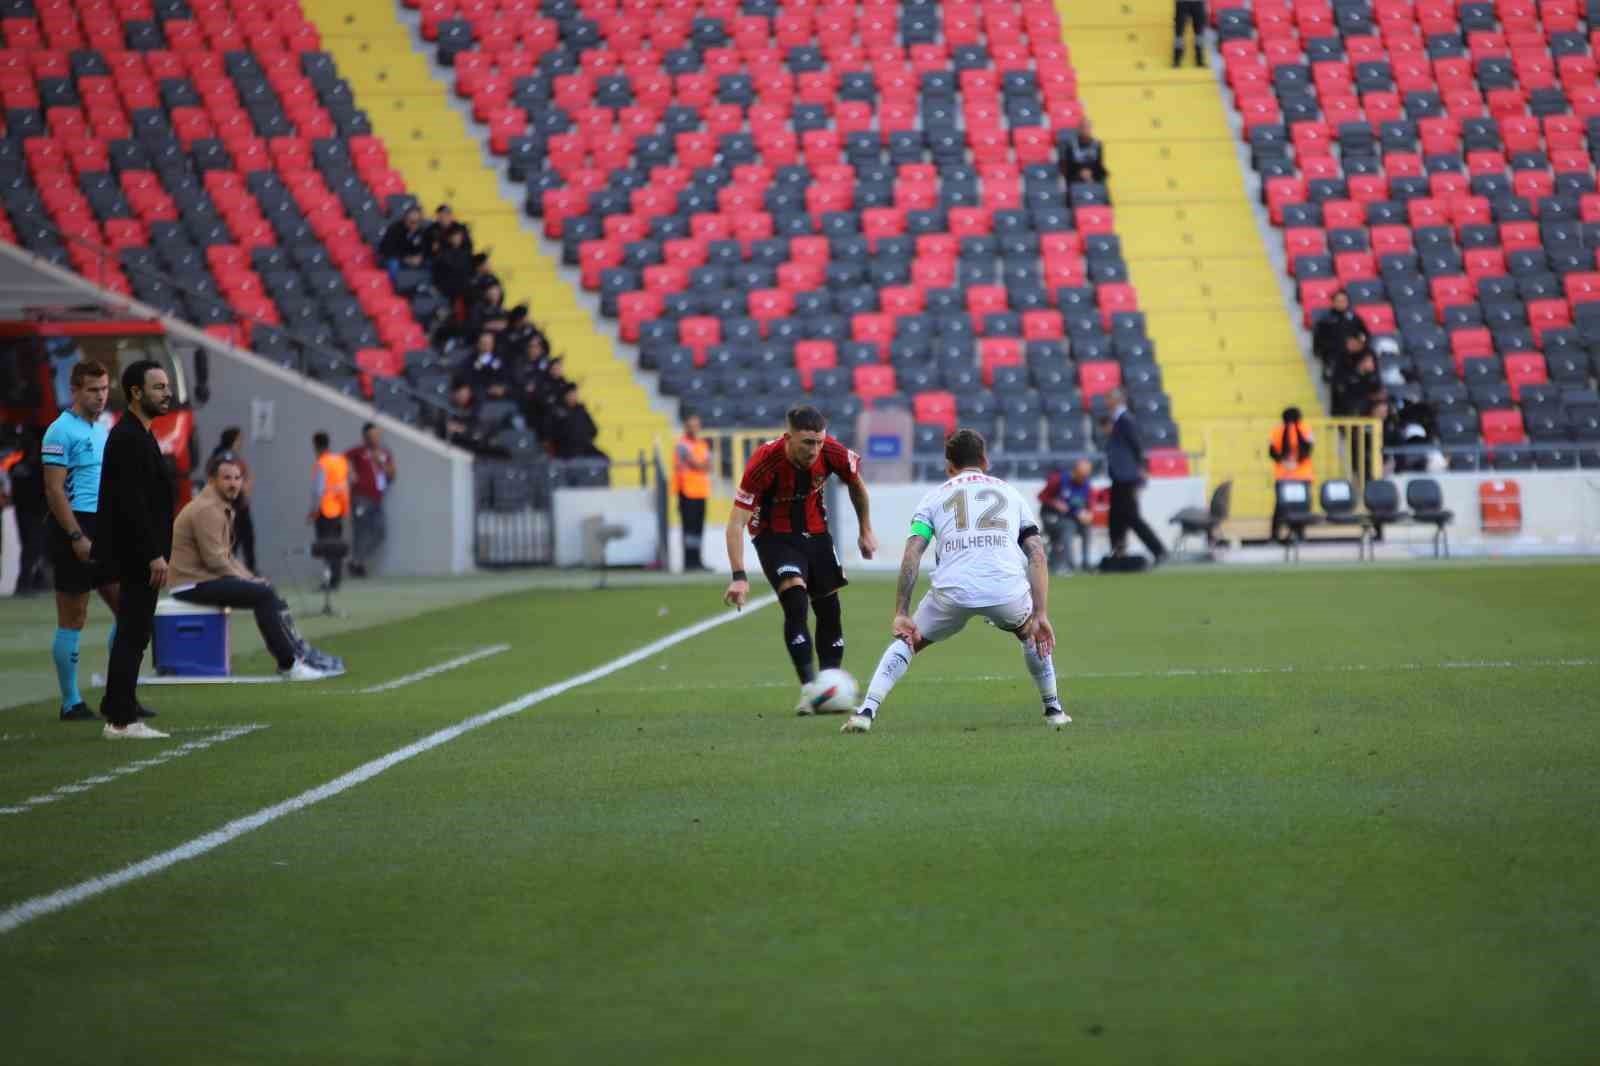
(1324, 816)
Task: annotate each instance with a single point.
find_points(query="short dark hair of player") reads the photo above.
(966, 449)
(134, 373)
(220, 460)
(88, 370)
(321, 441)
(807, 419)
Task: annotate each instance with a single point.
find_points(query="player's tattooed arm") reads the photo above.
(910, 564)
(1038, 571)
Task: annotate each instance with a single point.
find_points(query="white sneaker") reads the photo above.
(133, 731)
(303, 671)
(857, 723)
(1057, 718)
(803, 706)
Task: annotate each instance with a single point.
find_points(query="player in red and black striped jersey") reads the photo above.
(780, 502)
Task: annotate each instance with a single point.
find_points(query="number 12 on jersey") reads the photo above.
(991, 518)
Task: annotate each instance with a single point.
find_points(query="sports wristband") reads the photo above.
(740, 575)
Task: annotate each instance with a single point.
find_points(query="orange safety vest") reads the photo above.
(335, 469)
(1286, 442)
(692, 484)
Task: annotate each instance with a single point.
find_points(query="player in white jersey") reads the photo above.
(989, 563)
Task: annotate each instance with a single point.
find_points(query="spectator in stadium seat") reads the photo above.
(1360, 387)
(512, 343)
(1064, 510)
(487, 312)
(483, 275)
(330, 501)
(1328, 336)
(372, 471)
(402, 244)
(453, 269)
(1193, 14)
(486, 371)
(571, 429)
(436, 231)
(1289, 447)
(1125, 464)
(1083, 158)
(205, 571)
(461, 425)
(244, 527)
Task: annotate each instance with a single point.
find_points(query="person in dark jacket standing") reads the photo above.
(1125, 465)
(1193, 13)
(134, 539)
(1333, 326)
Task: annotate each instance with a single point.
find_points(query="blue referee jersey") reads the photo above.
(80, 447)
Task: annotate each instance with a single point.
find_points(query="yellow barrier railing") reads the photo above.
(1349, 448)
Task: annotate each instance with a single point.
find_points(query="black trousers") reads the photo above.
(1125, 517)
(136, 612)
(1190, 13)
(1062, 529)
(693, 514)
(332, 529)
(272, 614)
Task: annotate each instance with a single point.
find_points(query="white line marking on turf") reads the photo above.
(33, 803)
(20, 914)
(449, 664)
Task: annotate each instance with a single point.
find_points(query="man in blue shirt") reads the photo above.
(1064, 510)
(74, 446)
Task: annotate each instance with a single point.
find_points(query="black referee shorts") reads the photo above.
(73, 577)
(808, 556)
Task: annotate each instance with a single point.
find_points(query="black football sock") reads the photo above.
(830, 632)
(796, 637)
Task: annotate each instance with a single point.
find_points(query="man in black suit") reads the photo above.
(1125, 465)
(134, 539)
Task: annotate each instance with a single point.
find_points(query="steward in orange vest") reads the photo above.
(1290, 448)
(691, 480)
(330, 502)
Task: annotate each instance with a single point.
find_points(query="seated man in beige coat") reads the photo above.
(204, 570)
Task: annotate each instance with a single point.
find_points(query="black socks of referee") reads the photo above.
(830, 632)
(796, 637)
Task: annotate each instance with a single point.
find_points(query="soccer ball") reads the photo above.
(833, 692)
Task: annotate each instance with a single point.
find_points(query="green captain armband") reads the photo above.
(922, 529)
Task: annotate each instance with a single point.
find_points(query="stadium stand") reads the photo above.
(859, 201)
(1437, 161)
(210, 160)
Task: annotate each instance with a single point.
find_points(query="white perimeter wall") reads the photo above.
(1560, 512)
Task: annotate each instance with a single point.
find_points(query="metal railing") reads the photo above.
(1236, 449)
(513, 502)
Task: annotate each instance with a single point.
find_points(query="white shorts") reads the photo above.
(937, 618)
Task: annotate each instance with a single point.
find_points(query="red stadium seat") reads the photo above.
(811, 356)
(1502, 427)
(1097, 378)
(874, 382)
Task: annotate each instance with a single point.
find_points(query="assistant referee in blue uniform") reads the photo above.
(74, 446)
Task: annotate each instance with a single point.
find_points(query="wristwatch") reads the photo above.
(75, 536)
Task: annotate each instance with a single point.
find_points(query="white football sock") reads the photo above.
(896, 660)
(1043, 671)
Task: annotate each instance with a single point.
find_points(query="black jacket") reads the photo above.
(1124, 450)
(136, 493)
(401, 243)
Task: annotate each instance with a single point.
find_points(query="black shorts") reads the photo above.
(72, 576)
(809, 557)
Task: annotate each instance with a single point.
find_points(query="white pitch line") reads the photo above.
(20, 914)
(33, 803)
(450, 664)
